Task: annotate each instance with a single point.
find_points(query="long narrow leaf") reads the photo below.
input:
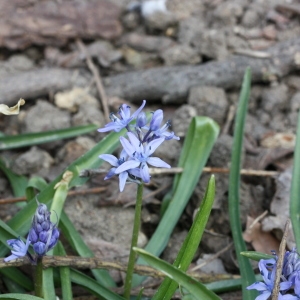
(247, 273)
(18, 182)
(197, 289)
(200, 139)
(64, 272)
(17, 276)
(93, 286)
(19, 297)
(30, 139)
(295, 190)
(191, 243)
(77, 243)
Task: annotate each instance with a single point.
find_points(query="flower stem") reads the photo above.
(38, 280)
(135, 233)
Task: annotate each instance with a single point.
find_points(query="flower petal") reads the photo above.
(127, 165)
(135, 142)
(157, 162)
(122, 180)
(110, 159)
(127, 146)
(156, 120)
(11, 257)
(135, 114)
(153, 145)
(145, 172)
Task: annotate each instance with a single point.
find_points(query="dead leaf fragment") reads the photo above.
(14, 110)
(261, 241)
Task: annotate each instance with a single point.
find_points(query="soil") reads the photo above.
(49, 70)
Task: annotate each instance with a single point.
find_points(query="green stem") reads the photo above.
(38, 282)
(135, 234)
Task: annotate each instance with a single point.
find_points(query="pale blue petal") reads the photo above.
(108, 127)
(110, 159)
(125, 112)
(127, 165)
(127, 146)
(123, 154)
(122, 180)
(11, 257)
(264, 296)
(135, 172)
(145, 172)
(156, 119)
(135, 142)
(135, 114)
(110, 173)
(157, 162)
(153, 145)
(259, 286)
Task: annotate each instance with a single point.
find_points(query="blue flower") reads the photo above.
(118, 124)
(43, 234)
(115, 162)
(158, 131)
(268, 271)
(140, 155)
(19, 248)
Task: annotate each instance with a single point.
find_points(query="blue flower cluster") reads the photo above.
(143, 139)
(289, 280)
(43, 236)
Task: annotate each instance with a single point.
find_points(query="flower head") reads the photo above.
(115, 162)
(140, 155)
(19, 248)
(117, 124)
(43, 234)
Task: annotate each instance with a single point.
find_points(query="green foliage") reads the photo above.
(234, 189)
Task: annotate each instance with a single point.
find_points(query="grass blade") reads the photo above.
(77, 243)
(191, 243)
(93, 286)
(197, 289)
(19, 297)
(247, 273)
(64, 272)
(18, 277)
(30, 139)
(18, 182)
(295, 190)
(200, 139)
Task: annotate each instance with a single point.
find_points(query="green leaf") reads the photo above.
(247, 273)
(30, 139)
(64, 272)
(200, 139)
(190, 244)
(295, 190)
(93, 286)
(197, 289)
(19, 297)
(18, 182)
(12, 286)
(18, 277)
(22, 220)
(37, 183)
(254, 255)
(48, 284)
(228, 285)
(77, 243)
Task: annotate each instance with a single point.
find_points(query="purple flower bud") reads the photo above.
(38, 227)
(43, 236)
(156, 120)
(45, 225)
(33, 237)
(141, 120)
(39, 248)
(54, 238)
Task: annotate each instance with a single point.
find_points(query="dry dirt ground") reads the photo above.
(187, 58)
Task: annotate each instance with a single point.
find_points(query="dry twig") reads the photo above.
(279, 264)
(97, 77)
